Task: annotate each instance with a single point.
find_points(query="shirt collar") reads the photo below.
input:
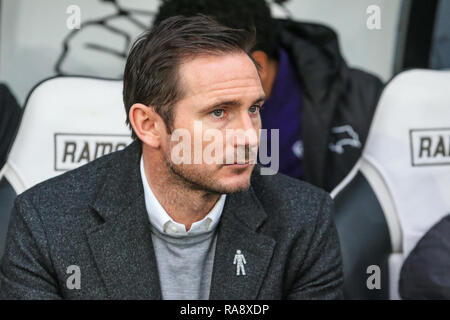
(160, 219)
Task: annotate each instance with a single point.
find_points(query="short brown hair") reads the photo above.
(151, 72)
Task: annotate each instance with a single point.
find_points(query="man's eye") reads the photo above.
(254, 109)
(218, 113)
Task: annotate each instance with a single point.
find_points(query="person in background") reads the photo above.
(322, 107)
(425, 272)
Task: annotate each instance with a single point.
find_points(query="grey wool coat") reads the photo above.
(94, 217)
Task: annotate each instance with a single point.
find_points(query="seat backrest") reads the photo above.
(10, 113)
(409, 145)
(7, 196)
(67, 122)
(406, 160)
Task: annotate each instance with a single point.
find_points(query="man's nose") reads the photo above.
(246, 133)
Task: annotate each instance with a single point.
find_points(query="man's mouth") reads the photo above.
(238, 165)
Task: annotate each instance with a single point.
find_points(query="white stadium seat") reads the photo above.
(400, 186)
(67, 122)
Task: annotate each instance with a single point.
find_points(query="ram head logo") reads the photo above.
(344, 136)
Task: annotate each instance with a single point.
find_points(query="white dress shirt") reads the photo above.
(166, 225)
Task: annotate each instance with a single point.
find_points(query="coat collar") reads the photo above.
(123, 249)
(323, 74)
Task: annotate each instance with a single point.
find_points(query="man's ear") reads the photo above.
(147, 124)
(263, 60)
(268, 70)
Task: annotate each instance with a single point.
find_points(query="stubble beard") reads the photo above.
(200, 181)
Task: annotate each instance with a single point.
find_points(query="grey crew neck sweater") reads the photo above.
(185, 264)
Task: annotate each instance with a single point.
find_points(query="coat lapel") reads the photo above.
(123, 250)
(122, 245)
(242, 216)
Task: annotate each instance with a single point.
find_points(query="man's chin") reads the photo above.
(220, 180)
(236, 179)
(227, 188)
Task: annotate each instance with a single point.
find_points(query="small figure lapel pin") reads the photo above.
(239, 261)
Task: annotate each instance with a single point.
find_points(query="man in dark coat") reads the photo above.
(140, 224)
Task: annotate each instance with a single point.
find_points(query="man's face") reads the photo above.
(222, 94)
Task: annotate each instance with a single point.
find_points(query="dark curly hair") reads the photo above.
(236, 14)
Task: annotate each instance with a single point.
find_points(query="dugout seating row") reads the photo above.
(398, 189)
